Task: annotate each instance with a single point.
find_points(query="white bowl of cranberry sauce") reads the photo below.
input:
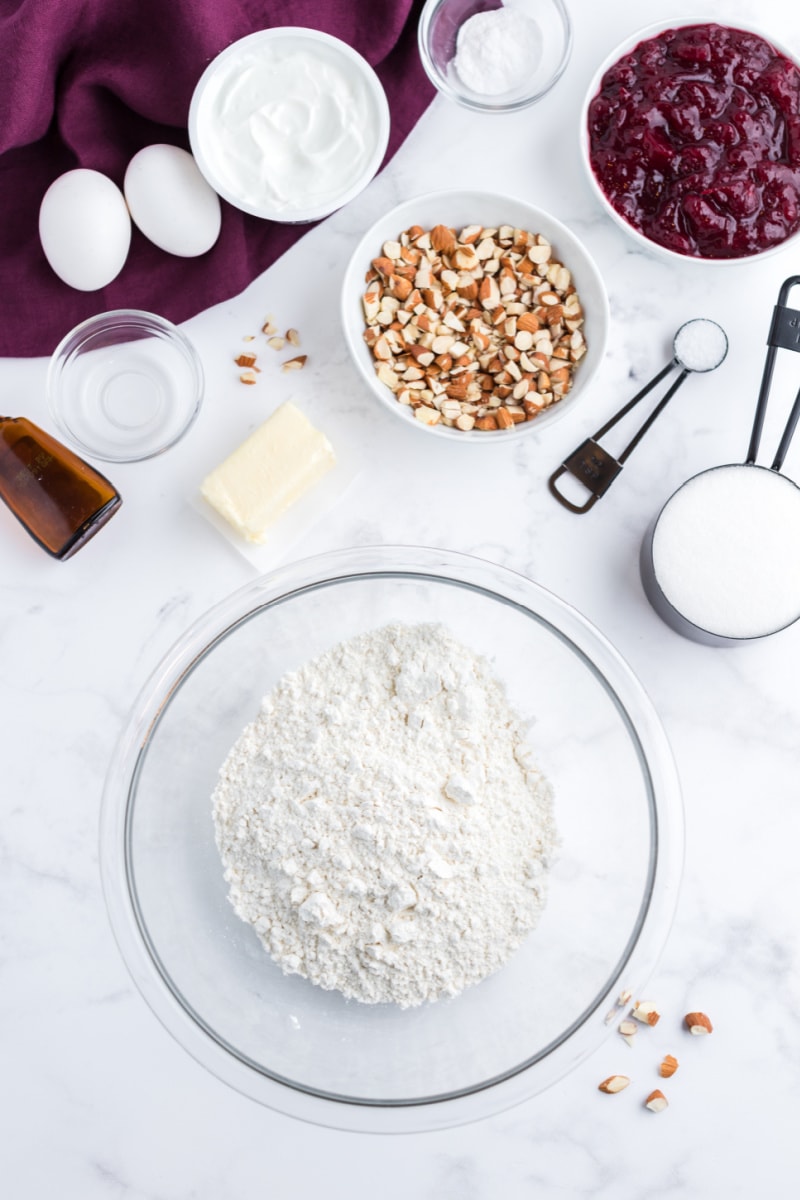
(690, 134)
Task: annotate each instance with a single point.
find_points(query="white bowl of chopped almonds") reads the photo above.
(474, 316)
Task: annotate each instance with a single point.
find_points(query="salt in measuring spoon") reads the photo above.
(699, 346)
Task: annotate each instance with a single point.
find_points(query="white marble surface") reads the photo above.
(96, 1100)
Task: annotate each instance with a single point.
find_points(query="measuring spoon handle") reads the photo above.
(592, 464)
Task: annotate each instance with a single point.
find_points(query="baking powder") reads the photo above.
(382, 824)
(497, 51)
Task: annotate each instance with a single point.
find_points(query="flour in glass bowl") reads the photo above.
(383, 824)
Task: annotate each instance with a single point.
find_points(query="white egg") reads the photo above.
(85, 229)
(171, 202)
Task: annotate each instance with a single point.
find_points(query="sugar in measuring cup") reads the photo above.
(721, 562)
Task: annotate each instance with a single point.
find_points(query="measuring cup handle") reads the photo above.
(783, 334)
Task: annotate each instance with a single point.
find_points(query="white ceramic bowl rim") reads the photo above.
(279, 33)
(624, 47)
(397, 218)
(657, 905)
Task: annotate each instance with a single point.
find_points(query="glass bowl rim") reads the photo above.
(120, 318)
(655, 912)
(443, 85)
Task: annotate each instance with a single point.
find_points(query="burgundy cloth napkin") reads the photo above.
(87, 83)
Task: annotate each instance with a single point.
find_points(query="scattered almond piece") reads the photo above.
(249, 337)
(669, 1065)
(269, 325)
(628, 1031)
(656, 1101)
(614, 1083)
(294, 364)
(646, 1012)
(248, 377)
(276, 343)
(698, 1023)
(293, 337)
(245, 360)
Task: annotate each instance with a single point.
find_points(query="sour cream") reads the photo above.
(289, 124)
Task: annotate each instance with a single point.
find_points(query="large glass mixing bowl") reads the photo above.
(311, 1053)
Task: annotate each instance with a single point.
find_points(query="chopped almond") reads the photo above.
(614, 1083)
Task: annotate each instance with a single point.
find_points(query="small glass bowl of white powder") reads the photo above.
(495, 55)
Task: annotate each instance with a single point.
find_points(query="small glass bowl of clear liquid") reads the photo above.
(125, 385)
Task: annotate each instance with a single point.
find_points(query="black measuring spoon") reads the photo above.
(590, 462)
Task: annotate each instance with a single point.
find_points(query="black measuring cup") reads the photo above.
(749, 567)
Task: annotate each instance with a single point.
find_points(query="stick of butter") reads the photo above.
(271, 469)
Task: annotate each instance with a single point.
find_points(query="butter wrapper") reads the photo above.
(275, 485)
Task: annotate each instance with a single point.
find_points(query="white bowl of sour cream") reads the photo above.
(289, 124)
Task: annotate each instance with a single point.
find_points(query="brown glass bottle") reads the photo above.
(58, 497)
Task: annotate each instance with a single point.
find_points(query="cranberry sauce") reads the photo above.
(695, 140)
